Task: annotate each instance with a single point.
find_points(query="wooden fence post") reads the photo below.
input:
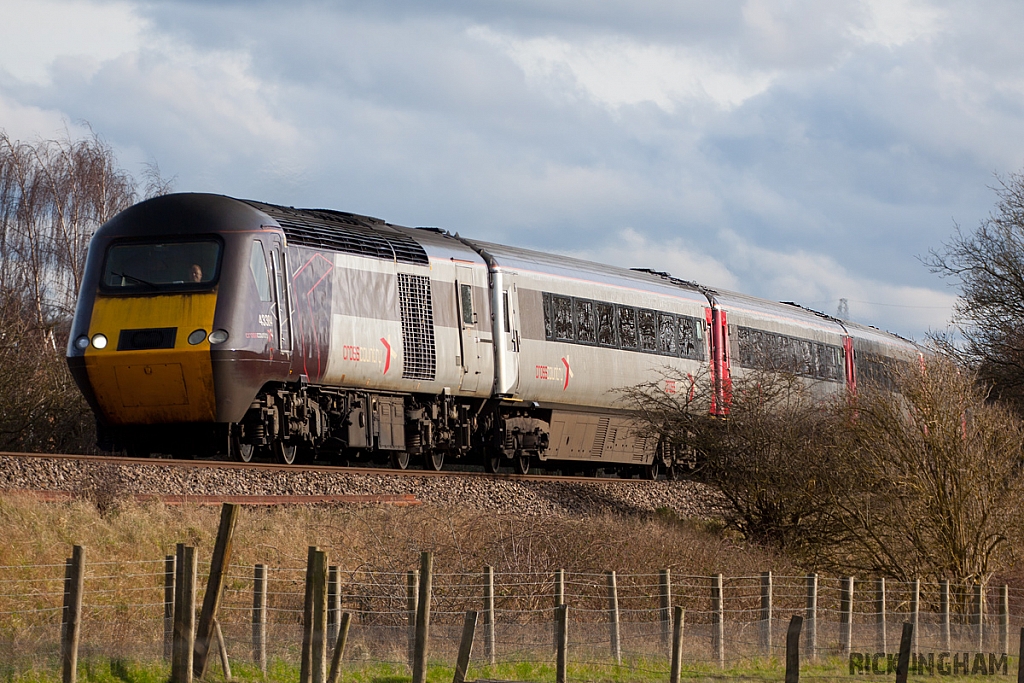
(947, 636)
(169, 565)
(846, 616)
(74, 585)
(677, 644)
(562, 631)
(765, 618)
(419, 669)
(978, 616)
(184, 614)
(225, 665)
(214, 587)
(559, 598)
(718, 620)
(665, 605)
(811, 618)
(259, 616)
(915, 612)
(613, 616)
(880, 614)
(903, 661)
(465, 647)
(339, 648)
(793, 649)
(318, 642)
(1004, 619)
(333, 602)
(412, 587)
(1020, 658)
(306, 661)
(488, 615)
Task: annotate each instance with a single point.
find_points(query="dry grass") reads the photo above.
(375, 538)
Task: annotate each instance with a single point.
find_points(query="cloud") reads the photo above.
(33, 35)
(616, 72)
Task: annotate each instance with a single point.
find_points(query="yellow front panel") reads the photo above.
(153, 386)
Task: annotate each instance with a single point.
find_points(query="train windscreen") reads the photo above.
(157, 266)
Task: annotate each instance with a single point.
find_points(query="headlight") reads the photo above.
(218, 336)
(99, 341)
(82, 343)
(196, 337)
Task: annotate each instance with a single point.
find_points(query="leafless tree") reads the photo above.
(988, 266)
(53, 196)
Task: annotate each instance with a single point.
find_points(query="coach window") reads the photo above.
(667, 342)
(586, 329)
(627, 327)
(466, 298)
(647, 322)
(606, 325)
(562, 309)
(504, 309)
(258, 266)
(688, 337)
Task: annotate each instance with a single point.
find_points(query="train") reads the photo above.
(209, 326)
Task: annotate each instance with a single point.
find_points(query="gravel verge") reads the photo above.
(92, 480)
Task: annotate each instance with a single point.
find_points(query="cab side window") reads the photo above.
(258, 266)
(466, 299)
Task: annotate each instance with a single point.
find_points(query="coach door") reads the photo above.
(282, 308)
(469, 310)
(506, 332)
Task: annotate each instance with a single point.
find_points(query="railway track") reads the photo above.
(112, 478)
(270, 467)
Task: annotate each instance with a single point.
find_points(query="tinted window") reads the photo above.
(648, 325)
(627, 327)
(667, 340)
(689, 338)
(154, 266)
(562, 309)
(606, 325)
(586, 326)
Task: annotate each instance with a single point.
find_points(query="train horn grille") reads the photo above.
(418, 361)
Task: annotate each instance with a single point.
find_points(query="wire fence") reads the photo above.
(614, 619)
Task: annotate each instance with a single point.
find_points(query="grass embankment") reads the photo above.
(377, 538)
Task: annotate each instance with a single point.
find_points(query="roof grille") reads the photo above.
(418, 357)
(345, 232)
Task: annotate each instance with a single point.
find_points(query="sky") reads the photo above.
(797, 150)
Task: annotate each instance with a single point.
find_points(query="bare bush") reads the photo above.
(930, 481)
(923, 482)
(766, 457)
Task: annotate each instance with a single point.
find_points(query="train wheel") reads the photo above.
(671, 472)
(651, 472)
(285, 452)
(243, 452)
(492, 463)
(238, 450)
(522, 463)
(400, 460)
(435, 460)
